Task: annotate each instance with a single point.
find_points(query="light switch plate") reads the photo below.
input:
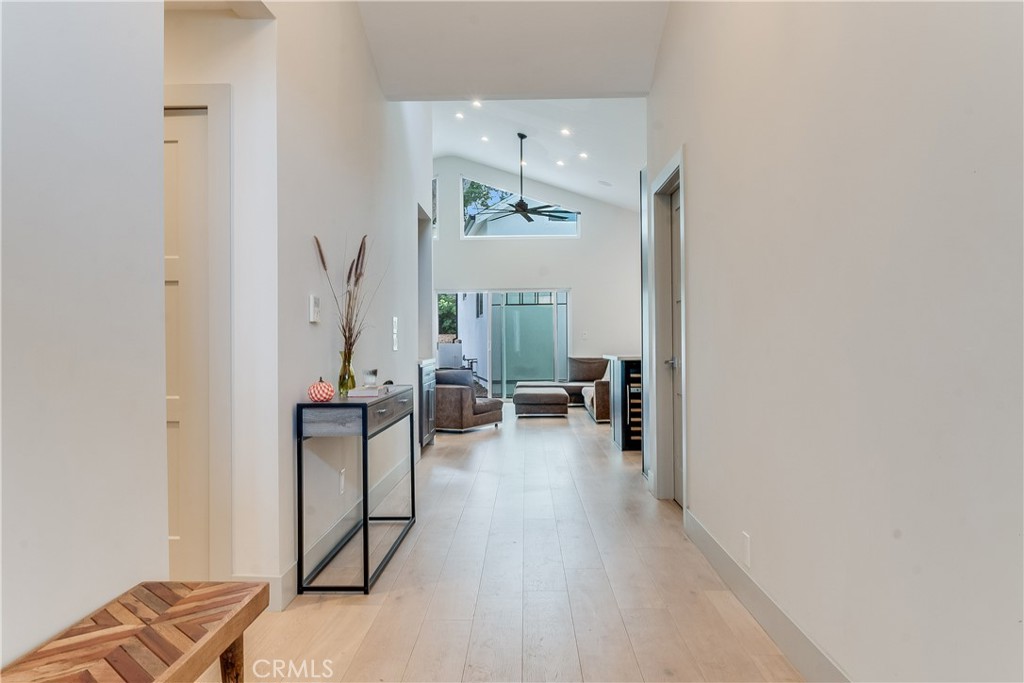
(314, 308)
(394, 325)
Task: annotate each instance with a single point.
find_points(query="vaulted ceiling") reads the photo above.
(611, 133)
(533, 67)
(513, 50)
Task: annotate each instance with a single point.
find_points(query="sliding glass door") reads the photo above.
(529, 338)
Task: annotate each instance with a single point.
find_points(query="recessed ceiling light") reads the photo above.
(566, 132)
(560, 163)
(484, 139)
(477, 104)
(522, 163)
(459, 115)
(583, 155)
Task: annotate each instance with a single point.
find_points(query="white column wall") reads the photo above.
(853, 189)
(350, 163)
(205, 47)
(84, 436)
(473, 331)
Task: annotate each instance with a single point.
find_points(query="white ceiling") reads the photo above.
(612, 132)
(512, 53)
(513, 49)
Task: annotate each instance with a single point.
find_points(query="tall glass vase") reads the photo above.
(346, 378)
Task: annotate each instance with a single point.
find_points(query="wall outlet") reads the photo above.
(341, 483)
(746, 549)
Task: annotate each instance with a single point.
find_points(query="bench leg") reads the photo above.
(232, 663)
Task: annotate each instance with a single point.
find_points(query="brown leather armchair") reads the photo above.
(458, 408)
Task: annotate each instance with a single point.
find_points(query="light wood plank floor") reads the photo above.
(537, 555)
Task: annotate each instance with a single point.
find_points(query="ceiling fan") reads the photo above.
(521, 208)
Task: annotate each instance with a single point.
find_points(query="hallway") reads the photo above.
(538, 554)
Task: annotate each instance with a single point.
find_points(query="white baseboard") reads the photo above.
(812, 663)
(331, 537)
(284, 588)
(389, 481)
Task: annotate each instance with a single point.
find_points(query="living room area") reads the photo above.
(535, 300)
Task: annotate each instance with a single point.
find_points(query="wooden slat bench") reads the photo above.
(157, 631)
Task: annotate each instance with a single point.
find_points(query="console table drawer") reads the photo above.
(330, 422)
(383, 413)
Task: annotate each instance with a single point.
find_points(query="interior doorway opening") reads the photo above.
(504, 336)
(664, 282)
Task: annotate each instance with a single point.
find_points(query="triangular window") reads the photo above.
(489, 211)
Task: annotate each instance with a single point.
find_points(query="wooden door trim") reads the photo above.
(216, 99)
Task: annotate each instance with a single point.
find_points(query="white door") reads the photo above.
(678, 398)
(186, 293)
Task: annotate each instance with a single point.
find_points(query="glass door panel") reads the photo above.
(529, 343)
(529, 338)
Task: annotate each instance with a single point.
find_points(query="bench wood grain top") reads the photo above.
(157, 631)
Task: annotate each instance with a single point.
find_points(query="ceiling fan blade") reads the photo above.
(527, 217)
(541, 207)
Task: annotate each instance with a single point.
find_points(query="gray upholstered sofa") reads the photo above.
(458, 407)
(587, 386)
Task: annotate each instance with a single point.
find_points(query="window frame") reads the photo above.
(462, 224)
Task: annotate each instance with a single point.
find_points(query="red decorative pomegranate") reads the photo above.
(321, 391)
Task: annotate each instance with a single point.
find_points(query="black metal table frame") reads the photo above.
(304, 583)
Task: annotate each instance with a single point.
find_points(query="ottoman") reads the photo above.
(540, 401)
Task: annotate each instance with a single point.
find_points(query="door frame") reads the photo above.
(656, 269)
(490, 312)
(216, 100)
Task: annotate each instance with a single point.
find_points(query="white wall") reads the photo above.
(425, 283)
(218, 47)
(3, 660)
(84, 450)
(473, 331)
(601, 267)
(853, 187)
(350, 163)
(316, 151)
